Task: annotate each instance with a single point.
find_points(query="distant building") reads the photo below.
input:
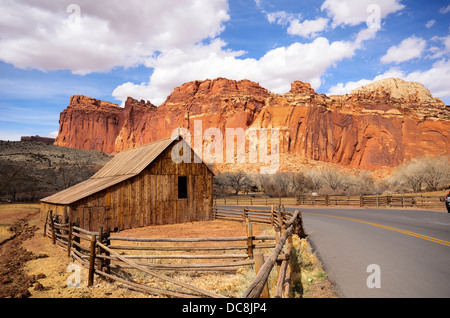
(138, 187)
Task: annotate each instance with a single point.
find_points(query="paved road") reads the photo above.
(409, 249)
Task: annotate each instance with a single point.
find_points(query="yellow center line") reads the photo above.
(428, 238)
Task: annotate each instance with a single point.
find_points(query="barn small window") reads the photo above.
(182, 187)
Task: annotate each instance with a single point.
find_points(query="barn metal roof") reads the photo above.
(83, 189)
(123, 166)
(132, 161)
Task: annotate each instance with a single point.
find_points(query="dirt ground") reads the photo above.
(32, 267)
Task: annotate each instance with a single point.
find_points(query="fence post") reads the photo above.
(271, 215)
(99, 249)
(279, 217)
(326, 199)
(92, 261)
(69, 239)
(249, 239)
(52, 227)
(45, 224)
(277, 234)
(244, 214)
(107, 242)
(76, 239)
(259, 261)
(360, 201)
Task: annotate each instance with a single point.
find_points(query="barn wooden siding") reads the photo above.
(148, 198)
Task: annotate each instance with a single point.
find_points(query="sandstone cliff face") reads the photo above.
(375, 126)
(91, 124)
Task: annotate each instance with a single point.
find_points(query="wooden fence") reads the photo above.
(108, 256)
(276, 215)
(249, 201)
(399, 201)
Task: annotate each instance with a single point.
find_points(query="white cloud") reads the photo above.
(355, 12)
(177, 66)
(41, 34)
(436, 79)
(408, 49)
(307, 28)
(438, 88)
(443, 51)
(53, 134)
(445, 10)
(430, 23)
(282, 17)
(276, 70)
(342, 89)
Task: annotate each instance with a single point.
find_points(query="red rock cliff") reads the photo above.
(375, 126)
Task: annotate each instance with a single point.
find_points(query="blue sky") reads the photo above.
(109, 50)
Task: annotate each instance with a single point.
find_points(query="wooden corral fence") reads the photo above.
(249, 200)
(276, 215)
(399, 201)
(110, 256)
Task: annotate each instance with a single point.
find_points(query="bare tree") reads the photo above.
(239, 181)
(436, 173)
(17, 179)
(300, 183)
(432, 172)
(283, 183)
(314, 180)
(348, 181)
(333, 177)
(410, 174)
(220, 185)
(363, 183)
(9, 173)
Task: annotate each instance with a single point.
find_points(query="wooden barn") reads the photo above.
(138, 187)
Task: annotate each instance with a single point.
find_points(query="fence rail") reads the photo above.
(249, 200)
(95, 251)
(403, 201)
(257, 287)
